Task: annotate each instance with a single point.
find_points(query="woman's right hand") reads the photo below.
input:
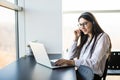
(77, 34)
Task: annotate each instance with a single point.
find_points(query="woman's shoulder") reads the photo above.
(103, 36)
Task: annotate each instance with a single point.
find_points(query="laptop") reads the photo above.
(41, 55)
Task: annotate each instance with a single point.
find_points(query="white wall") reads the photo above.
(43, 22)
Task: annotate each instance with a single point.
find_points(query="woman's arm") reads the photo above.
(72, 49)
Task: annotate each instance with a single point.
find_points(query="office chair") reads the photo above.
(105, 71)
(106, 68)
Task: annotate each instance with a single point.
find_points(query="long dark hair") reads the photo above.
(96, 30)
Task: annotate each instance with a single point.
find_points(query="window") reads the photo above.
(7, 36)
(107, 16)
(8, 47)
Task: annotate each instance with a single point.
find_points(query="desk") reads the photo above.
(27, 69)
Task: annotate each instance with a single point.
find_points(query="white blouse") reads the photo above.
(97, 61)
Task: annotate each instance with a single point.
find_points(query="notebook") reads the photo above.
(41, 55)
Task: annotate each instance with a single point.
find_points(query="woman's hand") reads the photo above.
(77, 34)
(64, 62)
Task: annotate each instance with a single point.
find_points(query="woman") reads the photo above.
(94, 47)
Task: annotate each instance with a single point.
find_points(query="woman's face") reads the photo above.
(85, 26)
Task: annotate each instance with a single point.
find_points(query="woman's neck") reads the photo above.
(90, 36)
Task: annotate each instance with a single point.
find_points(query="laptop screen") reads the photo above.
(40, 53)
